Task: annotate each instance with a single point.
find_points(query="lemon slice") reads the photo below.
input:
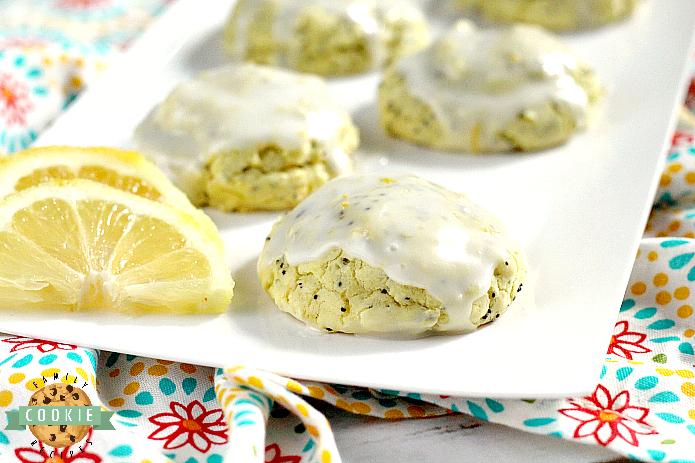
(125, 170)
(81, 245)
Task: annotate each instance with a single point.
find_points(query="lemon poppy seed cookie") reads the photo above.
(558, 15)
(398, 255)
(489, 90)
(326, 37)
(249, 137)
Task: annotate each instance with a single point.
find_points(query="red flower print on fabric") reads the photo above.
(624, 343)
(81, 4)
(43, 346)
(190, 425)
(14, 100)
(607, 418)
(273, 455)
(76, 453)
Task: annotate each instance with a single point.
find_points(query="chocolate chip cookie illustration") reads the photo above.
(59, 395)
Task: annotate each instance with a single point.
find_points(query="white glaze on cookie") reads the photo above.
(370, 15)
(420, 234)
(238, 107)
(478, 80)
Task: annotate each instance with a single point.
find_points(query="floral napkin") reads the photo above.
(643, 405)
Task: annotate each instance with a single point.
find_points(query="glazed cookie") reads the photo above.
(326, 37)
(476, 90)
(397, 255)
(248, 137)
(558, 15)
(59, 395)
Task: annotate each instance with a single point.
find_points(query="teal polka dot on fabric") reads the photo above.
(189, 385)
(121, 451)
(91, 358)
(623, 373)
(24, 361)
(646, 383)
(670, 418)
(648, 312)
(535, 422)
(3, 438)
(494, 405)
(664, 397)
(209, 395)
(627, 305)
(361, 395)
(214, 459)
(686, 348)
(167, 386)
(128, 413)
(74, 357)
(681, 261)
(47, 359)
(658, 455)
(477, 411)
(8, 359)
(113, 358)
(661, 325)
(144, 398)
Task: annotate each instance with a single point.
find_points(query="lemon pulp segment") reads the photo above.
(82, 246)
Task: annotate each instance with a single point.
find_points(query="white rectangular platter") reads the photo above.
(578, 211)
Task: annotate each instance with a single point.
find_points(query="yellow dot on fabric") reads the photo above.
(688, 389)
(687, 374)
(661, 234)
(652, 256)
(16, 378)
(157, 370)
(5, 398)
(415, 411)
(94, 381)
(69, 379)
(647, 228)
(635, 362)
(76, 81)
(239, 379)
(131, 388)
(340, 403)
(256, 381)
(137, 368)
(188, 368)
(164, 362)
(114, 373)
(34, 384)
(611, 361)
(82, 373)
(295, 387)
(638, 288)
(681, 293)
(665, 180)
(664, 371)
(316, 392)
(50, 372)
(361, 408)
(118, 402)
(312, 430)
(301, 408)
(689, 333)
(684, 311)
(394, 414)
(663, 297)
(674, 226)
(689, 235)
(660, 279)
(674, 167)
(691, 414)
(326, 457)
(690, 178)
(233, 369)
(229, 399)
